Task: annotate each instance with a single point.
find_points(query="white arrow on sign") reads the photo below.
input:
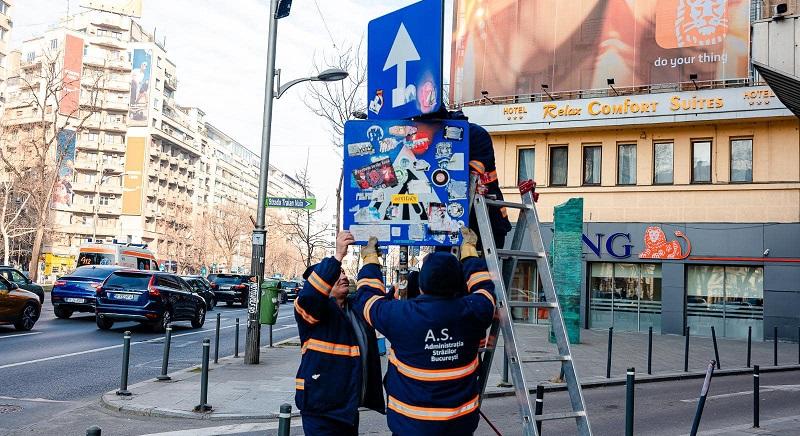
(402, 51)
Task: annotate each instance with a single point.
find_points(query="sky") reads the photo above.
(220, 50)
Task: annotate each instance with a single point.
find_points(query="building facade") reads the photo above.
(139, 167)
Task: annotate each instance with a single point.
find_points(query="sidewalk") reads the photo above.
(245, 392)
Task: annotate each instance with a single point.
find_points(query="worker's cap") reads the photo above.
(441, 274)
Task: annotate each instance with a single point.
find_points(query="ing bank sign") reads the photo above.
(656, 245)
(634, 109)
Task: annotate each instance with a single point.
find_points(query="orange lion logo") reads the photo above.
(657, 246)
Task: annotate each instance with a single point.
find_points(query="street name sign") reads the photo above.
(404, 61)
(292, 203)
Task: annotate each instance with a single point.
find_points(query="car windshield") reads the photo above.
(125, 280)
(230, 280)
(95, 259)
(90, 273)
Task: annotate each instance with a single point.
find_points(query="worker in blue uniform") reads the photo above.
(431, 382)
(340, 367)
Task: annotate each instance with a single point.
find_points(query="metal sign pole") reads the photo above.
(402, 281)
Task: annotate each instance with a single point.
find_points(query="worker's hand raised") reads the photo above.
(370, 252)
(469, 241)
(343, 240)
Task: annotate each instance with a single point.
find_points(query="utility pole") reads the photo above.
(253, 341)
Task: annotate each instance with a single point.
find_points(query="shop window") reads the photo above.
(526, 159)
(729, 298)
(626, 164)
(662, 163)
(742, 160)
(701, 162)
(591, 165)
(558, 166)
(626, 296)
(527, 287)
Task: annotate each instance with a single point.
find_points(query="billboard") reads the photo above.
(132, 8)
(73, 67)
(133, 179)
(65, 158)
(140, 87)
(512, 47)
(406, 181)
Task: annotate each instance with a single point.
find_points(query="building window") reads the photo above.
(3, 7)
(626, 164)
(526, 158)
(729, 298)
(662, 163)
(701, 162)
(527, 287)
(30, 56)
(3, 34)
(626, 296)
(91, 137)
(742, 160)
(53, 44)
(591, 165)
(558, 166)
(104, 200)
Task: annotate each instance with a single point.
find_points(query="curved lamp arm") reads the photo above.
(284, 88)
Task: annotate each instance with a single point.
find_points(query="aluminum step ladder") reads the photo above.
(502, 274)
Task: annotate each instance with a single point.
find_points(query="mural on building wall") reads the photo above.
(140, 87)
(657, 246)
(73, 66)
(62, 191)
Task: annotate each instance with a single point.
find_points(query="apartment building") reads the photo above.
(689, 176)
(5, 36)
(139, 167)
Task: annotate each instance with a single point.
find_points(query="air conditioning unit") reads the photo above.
(780, 10)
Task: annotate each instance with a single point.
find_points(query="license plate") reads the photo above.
(74, 300)
(127, 297)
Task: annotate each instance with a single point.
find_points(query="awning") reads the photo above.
(785, 86)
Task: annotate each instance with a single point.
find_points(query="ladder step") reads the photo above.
(544, 359)
(519, 254)
(508, 204)
(559, 415)
(538, 304)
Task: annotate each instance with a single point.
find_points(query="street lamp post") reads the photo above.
(278, 9)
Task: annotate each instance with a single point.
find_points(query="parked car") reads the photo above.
(18, 306)
(77, 291)
(149, 297)
(203, 288)
(289, 290)
(15, 276)
(230, 288)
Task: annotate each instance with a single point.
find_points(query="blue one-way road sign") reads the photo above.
(404, 61)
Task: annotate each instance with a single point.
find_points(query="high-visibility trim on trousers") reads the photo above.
(330, 348)
(433, 413)
(432, 375)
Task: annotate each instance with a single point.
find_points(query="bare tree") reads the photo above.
(14, 222)
(303, 227)
(337, 101)
(230, 224)
(34, 147)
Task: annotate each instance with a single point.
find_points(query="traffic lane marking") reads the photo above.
(763, 389)
(227, 429)
(19, 334)
(35, 400)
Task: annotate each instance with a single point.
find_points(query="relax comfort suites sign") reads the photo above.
(630, 110)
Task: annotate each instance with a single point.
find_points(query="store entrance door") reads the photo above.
(626, 296)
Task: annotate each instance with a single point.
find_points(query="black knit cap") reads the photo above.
(441, 275)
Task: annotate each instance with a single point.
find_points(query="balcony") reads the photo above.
(109, 209)
(171, 82)
(154, 152)
(112, 63)
(173, 161)
(110, 189)
(82, 208)
(83, 164)
(84, 187)
(117, 148)
(108, 41)
(87, 145)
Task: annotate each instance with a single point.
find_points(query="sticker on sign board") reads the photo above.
(360, 149)
(376, 175)
(364, 232)
(454, 133)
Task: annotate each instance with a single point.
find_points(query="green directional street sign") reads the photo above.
(292, 203)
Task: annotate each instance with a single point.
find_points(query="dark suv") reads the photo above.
(148, 297)
(289, 290)
(230, 288)
(16, 277)
(203, 288)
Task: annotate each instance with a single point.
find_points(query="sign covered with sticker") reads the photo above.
(406, 182)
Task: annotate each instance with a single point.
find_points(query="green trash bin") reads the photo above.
(269, 301)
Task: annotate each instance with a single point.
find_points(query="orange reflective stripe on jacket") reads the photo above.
(320, 285)
(330, 348)
(303, 314)
(432, 413)
(477, 166)
(478, 277)
(374, 283)
(432, 375)
(368, 307)
(486, 294)
(299, 384)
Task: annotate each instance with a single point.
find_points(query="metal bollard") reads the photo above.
(649, 350)
(216, 342)
(204, 406)
(716, 350)
(702, 402)
(756, 383)
(94, 431)
(504, 380)
(270, 336)
(749, 341)
(126, 359)
(608, 360)
(630, 379)
(539, 407)
(165, 358)
(285, 420)
(686, 352)
(236, 340)
(775, 346)
(798, 345)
